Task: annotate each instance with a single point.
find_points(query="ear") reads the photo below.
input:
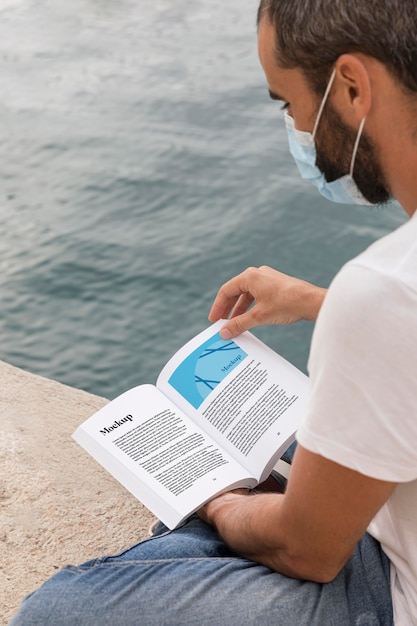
(353, 86)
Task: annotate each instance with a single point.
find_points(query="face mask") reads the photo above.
(303, 150)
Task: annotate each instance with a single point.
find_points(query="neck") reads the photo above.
(402, 168)
(391, 124)
(398, 152)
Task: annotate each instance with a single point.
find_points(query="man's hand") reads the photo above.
(278, 298)
(204, 512)
(310, 531)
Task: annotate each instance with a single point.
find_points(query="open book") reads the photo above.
(220, 416)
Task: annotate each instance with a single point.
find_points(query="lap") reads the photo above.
(189, 576)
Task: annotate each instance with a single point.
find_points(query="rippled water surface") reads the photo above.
(142, 164)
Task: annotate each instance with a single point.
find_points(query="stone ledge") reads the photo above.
(58, 506)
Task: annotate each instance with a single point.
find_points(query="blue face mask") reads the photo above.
(303, 150)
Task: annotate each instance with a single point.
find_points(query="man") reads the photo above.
(346, 71)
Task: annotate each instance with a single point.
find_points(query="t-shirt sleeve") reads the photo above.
(363, 371)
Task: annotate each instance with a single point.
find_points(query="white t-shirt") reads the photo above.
(363, 409)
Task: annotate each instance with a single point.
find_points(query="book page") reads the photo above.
(158, 454)
(241, 392)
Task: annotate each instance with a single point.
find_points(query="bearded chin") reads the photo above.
(330, 170)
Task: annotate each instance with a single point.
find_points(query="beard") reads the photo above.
(339, 144)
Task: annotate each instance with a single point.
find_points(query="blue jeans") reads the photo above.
(189, 576)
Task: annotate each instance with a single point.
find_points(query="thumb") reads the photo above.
(236, 326)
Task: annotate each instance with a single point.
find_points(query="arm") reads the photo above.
(311, 531)
(279, 299)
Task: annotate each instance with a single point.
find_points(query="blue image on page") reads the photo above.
(205, 368)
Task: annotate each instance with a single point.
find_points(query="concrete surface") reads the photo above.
(57, 505)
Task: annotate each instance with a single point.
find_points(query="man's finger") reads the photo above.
(237, 325)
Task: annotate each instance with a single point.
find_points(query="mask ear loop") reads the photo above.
(356, 146)
(323, 102)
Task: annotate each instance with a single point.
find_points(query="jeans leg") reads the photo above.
(190, 577)
(289, 454)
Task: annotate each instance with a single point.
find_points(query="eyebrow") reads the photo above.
(275, 96)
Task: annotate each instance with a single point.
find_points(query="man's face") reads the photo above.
(334, 139)
(335, 142)
(287, 85)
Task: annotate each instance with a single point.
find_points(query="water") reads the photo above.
(142, 165)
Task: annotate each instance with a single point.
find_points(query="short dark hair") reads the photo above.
(312, 34)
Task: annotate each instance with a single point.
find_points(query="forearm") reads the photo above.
(311, 531)
(312, 297)
(252, 526)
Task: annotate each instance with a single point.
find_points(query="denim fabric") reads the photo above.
(189, 577)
